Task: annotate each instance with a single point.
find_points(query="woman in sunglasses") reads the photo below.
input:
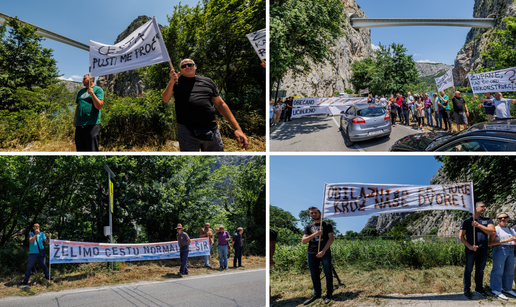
(502, 273)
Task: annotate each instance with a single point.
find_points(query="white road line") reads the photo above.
(356, 145)
(275, 131)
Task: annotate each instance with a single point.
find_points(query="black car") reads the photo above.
(498, 135)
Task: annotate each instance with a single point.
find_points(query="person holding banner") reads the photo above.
(195, 98)
(319, 242)
(207, 232)
(474, 235)
(223, 240)
(488, 106)
(502, 273)
(183, 240)
(459, 105)
(502, 106)
(444, 108)
(289, 102)
(238, 244)
(86, 119)
(36, 251)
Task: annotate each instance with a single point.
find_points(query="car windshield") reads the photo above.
(371, 112)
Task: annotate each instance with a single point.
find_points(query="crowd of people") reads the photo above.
(37, 239)
(282, 109)
(436, 111)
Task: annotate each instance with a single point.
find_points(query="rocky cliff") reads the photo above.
(326, 79)
(432, 69)
(468, 58)
(126, 83)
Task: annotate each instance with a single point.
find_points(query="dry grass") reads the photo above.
(361, 287)
(256, 144)
(97, 274)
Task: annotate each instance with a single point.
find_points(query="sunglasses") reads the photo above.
(188, 64)
(503, 218)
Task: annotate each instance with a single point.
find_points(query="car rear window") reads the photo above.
(371, 112)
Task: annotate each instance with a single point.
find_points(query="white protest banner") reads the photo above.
(141, 48)
(297, 112)
(324, 102)
(74, 252)
(445, 81)
(494, 81)
(353, 199)
(364, 91)
(258, 40)
(304, 102)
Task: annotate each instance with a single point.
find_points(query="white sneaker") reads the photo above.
(510, 292)
(500, 295)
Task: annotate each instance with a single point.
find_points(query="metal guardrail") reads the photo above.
(50, 34)
(358, 23)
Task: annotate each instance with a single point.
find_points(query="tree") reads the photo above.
(23, 62)
(280, 219)
(388, 73)
(499, 52)
(302, 34)
(369, 232)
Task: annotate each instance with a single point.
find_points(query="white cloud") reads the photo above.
(374, 47)
(425, 61)
(63, 78)
(75, 77)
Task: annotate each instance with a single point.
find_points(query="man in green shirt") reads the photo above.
(87, 115)
(444, 108)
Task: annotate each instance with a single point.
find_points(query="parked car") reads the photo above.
(499, 135)
(364, 121)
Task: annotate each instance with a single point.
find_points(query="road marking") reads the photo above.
(275, 131)
(354, 144)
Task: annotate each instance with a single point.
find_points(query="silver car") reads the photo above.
(365, 121)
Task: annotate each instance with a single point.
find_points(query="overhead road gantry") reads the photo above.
(358, 23)
(49, 34)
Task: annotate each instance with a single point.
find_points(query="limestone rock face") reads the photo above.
(468, 58)
(326, 79)
(431, 69)
(126, 83)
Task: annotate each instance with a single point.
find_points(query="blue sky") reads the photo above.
(425, 43)
(297, 182)
(101, 21)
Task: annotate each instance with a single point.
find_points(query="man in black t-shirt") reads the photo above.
(196, 98)
(312, 235)
(476, 247)
(460, 110)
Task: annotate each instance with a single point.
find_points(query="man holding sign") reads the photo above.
(319, 252)
(502, 106)
(476, 246)
(195, 98)
(87, 115)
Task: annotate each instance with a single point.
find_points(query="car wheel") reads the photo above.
(347, 140)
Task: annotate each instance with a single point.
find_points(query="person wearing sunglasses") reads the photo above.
(474, 235)
(502, 273)
(196, 98)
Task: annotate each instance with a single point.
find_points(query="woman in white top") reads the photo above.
(502, 273)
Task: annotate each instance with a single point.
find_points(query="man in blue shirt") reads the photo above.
(183, 240)
(238, 246)
(36, 251)
(488, 106)
(502, 106)
(476, 246)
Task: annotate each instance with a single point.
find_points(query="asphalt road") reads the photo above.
(241, 288)
(321, 133)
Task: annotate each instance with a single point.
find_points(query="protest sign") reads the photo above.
(354, 199)
(75, 252)
(494, 81)
(297, 112)
(141, 48)
(364, 91)
(258, 40)
(329, 106)
(445, 81)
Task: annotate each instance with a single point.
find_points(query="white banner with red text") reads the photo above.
(494, 81)
(143, 47)
(73, 252)
(353, 199)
